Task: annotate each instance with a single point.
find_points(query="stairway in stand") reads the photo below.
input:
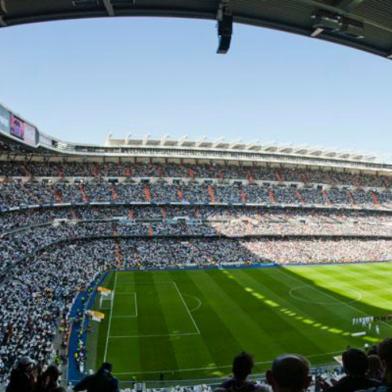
(211, 193)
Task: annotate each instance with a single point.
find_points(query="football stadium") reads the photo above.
(167, 257)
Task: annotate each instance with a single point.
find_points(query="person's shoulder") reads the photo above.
(90, 377)
(247, 386)
(378, 388)
(226, 384)
(372, 382)
(339, 386)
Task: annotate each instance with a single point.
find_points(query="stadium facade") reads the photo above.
(38, 146)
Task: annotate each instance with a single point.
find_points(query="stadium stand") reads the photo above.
(70, 213)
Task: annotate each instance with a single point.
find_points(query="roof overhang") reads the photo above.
(361, 24)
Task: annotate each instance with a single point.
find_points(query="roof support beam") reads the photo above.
(3, 12)
(349, 5)
(316, 32)
(109, 7)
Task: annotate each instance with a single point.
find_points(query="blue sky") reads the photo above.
(80, 80)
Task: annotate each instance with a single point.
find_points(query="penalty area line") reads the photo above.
(135, 310)
(187, 308)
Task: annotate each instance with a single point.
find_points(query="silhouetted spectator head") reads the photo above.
(106, 367)
(375, 367)
(22, 376)
(25, 364)
(289, 373)
(355, 362)
(385, 352)
(242, 366)
(48, 380)
(53, 372)
(372, 350)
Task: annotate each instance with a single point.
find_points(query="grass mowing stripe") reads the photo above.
(218, 343)
(110, 318)
(283, 285)
(316, 322)
(358, 276)
(154, 351)
(343, 303)
(239, 315)
(249, 310)
(352, 274)
(270, 319)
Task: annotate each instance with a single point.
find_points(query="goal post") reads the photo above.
(104, 296)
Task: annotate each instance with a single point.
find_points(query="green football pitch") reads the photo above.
(189, 324)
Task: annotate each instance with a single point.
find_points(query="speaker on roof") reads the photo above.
(225, 31)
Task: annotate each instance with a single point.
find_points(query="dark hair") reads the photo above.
(385, 351)
(291, 371)
(375, 367)
(106, 366)
(242, 365)
(53, 371)
(355, 362)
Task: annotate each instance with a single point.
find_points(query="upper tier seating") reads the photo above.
(13, 194)
(251, 174)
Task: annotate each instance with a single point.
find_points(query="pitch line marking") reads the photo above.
(199, 303)
(136, 311)
(298, 298)
(129, 315)
(186, 307)
(110, 318)
(155, 336)
(217, 367)
(331, 296)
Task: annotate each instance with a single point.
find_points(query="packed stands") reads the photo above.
(65, 220)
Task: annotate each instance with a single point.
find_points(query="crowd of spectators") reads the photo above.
(261, 173)
(16, 194)
(164, 252)
(48, 253)
(302, 235)
(260, 218)
(38, 294)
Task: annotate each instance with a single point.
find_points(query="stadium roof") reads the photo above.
(238, 146)
(362, 24)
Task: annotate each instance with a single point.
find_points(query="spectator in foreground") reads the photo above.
(375, 370)
(385, 354)
(289, 373)
(242, 368)
(101, 381)
(48, 381)
(355, 365)
(22, 377)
